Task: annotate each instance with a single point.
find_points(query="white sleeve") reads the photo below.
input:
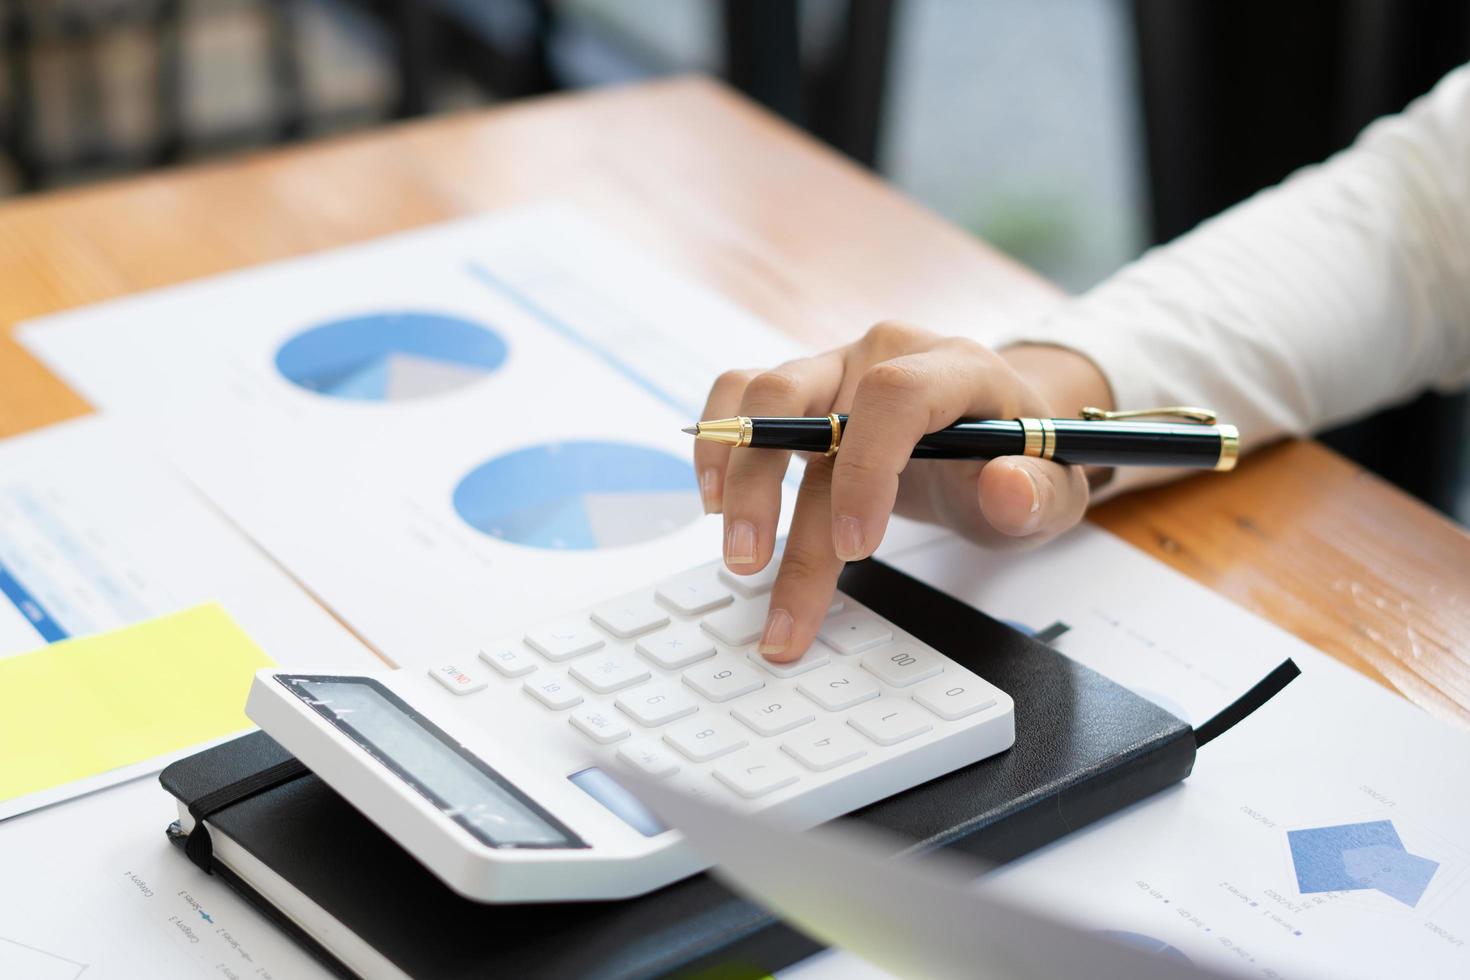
(1343, 289)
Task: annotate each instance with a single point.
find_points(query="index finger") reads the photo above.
(896, 403)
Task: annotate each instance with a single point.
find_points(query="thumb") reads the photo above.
(1031, 500)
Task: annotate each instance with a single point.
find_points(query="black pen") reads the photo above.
(1098, 438)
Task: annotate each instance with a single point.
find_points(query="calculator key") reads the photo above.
(723, 679)
(693, 593)
(754, 774)
(825, 746)
(853, 632)
(955, 694)
(602, 725)
(649, 758)
(563, 641)
(554, 691)
(657, 704)
(628, 618)
(511, 659)
(608, 672)
(705, 737)
(676, 648)
(758, 583)
(774, 713)
(889, 721)
(836, 688)
(459, 680)
(739, 623)
(815, 656)
(902, 664)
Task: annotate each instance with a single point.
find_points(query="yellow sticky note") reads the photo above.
(85, 706)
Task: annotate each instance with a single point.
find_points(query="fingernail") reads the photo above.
(1034, 517)
(777, 633)
(740, 543)
(847, 536)
(709, 484)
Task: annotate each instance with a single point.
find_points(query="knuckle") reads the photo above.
(774, 386)
(734, 379)
(741, 482)
(857, 469)
(817, 480)
(800, 568)
(894, 336)
(891, 380)
(968, 347)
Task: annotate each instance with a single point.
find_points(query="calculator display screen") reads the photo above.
(436, 766)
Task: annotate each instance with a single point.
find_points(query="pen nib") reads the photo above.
(693, 430)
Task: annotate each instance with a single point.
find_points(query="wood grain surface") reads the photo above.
(816, 246)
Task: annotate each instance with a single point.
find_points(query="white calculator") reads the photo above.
(498, 770)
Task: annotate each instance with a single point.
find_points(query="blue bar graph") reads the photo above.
(30, 608)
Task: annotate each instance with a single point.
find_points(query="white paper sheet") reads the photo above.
(1210, 868)
(568, 349)
(92, 889)
(96, 533)
(1207, 870)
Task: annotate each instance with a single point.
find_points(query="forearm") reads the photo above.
(1344, 289)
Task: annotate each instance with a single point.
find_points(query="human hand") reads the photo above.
(896, 384)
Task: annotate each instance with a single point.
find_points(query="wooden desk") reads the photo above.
(813, 244)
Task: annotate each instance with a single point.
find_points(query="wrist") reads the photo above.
(1064, 378)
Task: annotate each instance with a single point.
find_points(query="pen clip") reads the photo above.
(1190, 413)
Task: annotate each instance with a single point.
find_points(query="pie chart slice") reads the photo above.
(579, 495)
(390, 357)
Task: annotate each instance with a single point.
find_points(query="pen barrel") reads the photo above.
(804, 435)
(973, 439)
(1072, 441)
(1181, 445)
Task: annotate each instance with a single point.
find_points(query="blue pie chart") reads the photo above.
(579, 495)
(390, 356)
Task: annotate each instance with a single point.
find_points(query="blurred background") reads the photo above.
(1072, 134)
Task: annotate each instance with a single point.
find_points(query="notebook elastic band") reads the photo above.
(1266, 689)
(199, 848)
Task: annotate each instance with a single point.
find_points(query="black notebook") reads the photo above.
(1084, 748)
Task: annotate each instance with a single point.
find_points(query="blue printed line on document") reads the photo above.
(529, 305)
(32, 610)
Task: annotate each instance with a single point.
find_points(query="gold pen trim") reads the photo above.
(1229, 448)
(836, 434)
(1191, 413)
(1035, 437)
(1048, 438)
(734, 432)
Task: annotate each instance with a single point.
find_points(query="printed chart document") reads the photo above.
(445, 434)
(1328, 834)
(93, 890)
(96, 533)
